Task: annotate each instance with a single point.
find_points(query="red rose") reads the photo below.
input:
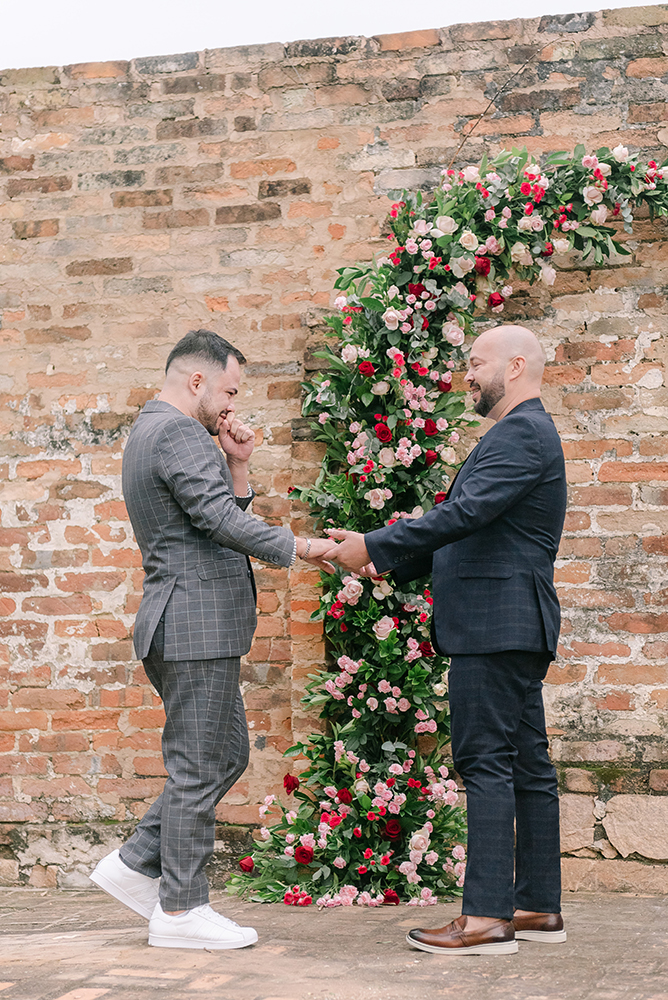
(362, 870)
(304, 855)
(430, 427)
(425, 323)
(247, 864)
(334, 820)
(391, 782)
(444, 386)
(483, 266)
(495, 299)
(357, 832)
(368, 854)
(290, 783)
(391, 830)
(366, 368)
(344, 796)
(383, 433)
(304, 900)
(385, 860)
(425, 648)
(430, 457)
(548, 251)
(414, 783)
(371, 816)
(525, 188)
(416, 289)
(289, 899)
(390, 898)
(440, 497)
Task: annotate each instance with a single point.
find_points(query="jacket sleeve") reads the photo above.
(508, 466)
(191, 469)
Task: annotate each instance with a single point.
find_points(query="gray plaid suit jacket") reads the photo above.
(194, 537)
(491, 544)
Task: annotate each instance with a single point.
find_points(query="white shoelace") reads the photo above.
(205, 911)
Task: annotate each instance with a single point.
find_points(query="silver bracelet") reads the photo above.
(307, 549)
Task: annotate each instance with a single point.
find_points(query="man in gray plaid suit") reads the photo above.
(188, 508)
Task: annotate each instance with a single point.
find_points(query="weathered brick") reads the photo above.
(108, 265)
(112, 178)
(176, 218)
(58, 335)
(191, 128)
(230, 215)
(33, 230)
(194, 84)
(255, 168)
(282, 188)
(37, 185)
(141, 199)
(16, 164)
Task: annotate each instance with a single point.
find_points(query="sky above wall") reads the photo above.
(46, 33)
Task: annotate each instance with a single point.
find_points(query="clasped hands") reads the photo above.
(346, 548)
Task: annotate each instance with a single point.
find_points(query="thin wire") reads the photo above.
(496, 97)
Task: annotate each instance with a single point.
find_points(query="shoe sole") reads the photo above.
(156, 941)
(123, 897)
(546, 937)
(500, 948)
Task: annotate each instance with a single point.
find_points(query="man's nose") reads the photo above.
(469, 376)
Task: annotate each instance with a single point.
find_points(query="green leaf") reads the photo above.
(373, 304)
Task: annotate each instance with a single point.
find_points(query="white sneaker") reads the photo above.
(200, 927)
(135, 890)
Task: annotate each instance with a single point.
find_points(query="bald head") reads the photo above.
(506, 367)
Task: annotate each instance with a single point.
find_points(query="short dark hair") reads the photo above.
(207, 347)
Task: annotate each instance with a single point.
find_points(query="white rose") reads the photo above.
(448, 456)
(341, 301)
(536, 223)
(384, 627)
(468, 240)
(419, 841)
(454, 334)
(524, 225)
(471, 174)
(422, 228)
(348, 353)
(519, 254)
(392, 318)
(380, 388)
(461, 266)
(439, 690)
(361, 787)
(592, 195)
(620, 153)
(561, 246)
(416, 512)
(393, 292)
(376, 499)
(547, 274)
(605, 169)
(386, 457)
(599, 215)
(447, 224)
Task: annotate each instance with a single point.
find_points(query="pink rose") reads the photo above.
(384, 627)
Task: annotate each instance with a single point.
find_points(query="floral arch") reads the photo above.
(375, 816)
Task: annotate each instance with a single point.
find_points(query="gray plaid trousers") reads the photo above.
(205, 750)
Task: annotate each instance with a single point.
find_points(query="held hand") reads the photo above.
(317, 552)
(236, 439)
(351, 552)
(370, 571)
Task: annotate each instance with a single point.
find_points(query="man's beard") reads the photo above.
(207, 415)
(490, 395)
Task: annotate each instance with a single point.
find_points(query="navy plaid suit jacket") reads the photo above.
(195, 539)
(491, 545)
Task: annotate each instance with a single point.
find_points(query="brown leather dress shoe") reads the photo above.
(545, 927)
(454, 939)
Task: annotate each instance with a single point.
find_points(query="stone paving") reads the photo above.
(59, 945)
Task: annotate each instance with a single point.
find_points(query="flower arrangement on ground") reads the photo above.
(376, 815)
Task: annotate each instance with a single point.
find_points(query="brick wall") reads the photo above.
(223, 189)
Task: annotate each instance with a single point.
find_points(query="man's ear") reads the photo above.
(196, 382)
(517, 367)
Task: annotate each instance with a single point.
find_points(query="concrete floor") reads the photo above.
(57, 945)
